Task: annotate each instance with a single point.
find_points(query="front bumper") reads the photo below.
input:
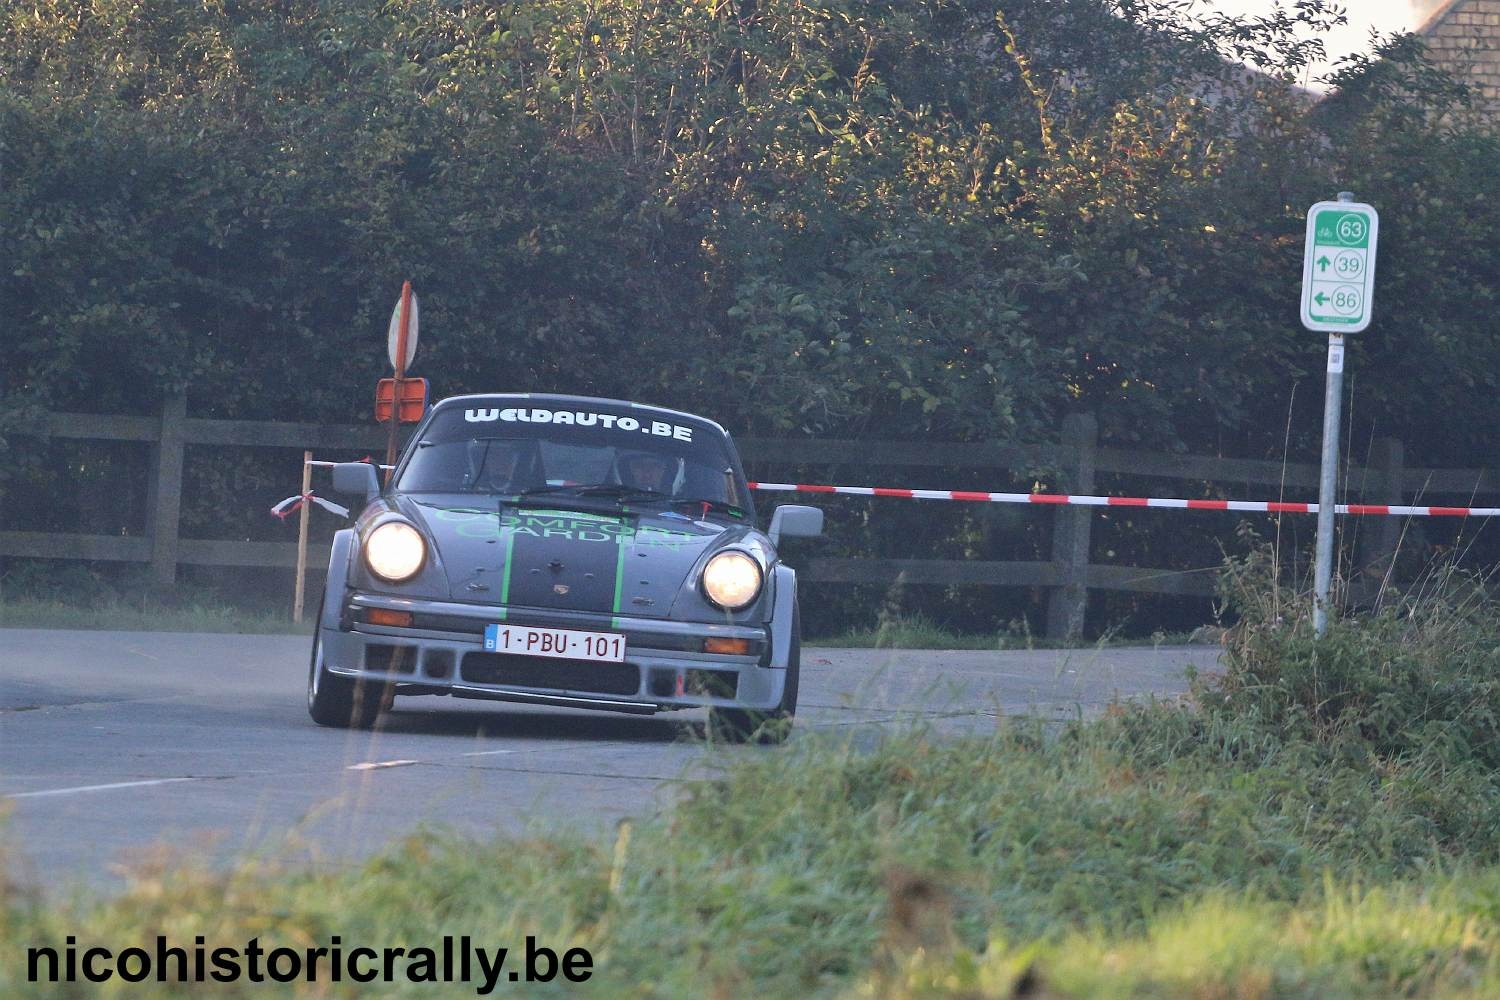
(443, 653)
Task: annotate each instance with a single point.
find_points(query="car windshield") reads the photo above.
(519, 451)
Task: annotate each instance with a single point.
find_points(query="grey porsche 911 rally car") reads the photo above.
(561, 550)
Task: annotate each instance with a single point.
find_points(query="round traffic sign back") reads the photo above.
(393, 334)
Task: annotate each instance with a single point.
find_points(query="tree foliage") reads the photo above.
(959, 219)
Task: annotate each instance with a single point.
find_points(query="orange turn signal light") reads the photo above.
(740, 646)
(381, 616)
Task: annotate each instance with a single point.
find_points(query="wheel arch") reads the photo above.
(783, 602)
(340, 562)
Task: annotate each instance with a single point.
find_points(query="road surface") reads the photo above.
(120, 747)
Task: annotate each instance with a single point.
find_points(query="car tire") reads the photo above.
(340, 702)
(739, 725)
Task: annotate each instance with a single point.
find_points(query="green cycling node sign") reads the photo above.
(1338, 266)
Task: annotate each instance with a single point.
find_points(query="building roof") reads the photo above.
(1438, 15)
(1463, 38)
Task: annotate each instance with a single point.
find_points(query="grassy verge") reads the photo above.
(144, 615)
(911, 632)
(920, 632)
(1321, 821)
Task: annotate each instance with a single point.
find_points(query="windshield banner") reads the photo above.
(580, 418)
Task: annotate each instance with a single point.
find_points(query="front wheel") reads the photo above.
(739, 725)
(341, 702)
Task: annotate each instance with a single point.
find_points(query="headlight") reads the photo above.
(731, 580)
(395, 551)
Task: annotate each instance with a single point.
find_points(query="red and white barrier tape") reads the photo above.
(293, 504)
(1065, 499)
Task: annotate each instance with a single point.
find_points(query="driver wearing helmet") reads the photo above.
(644, 470)
(495, 466)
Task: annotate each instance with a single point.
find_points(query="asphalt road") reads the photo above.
(118, 749)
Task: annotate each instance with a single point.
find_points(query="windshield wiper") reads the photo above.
(587, 489)
(639, 493)
(539, 490)
(604, 491)
(622, 492)
(619, 491)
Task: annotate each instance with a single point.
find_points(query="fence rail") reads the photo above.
(1069, 575)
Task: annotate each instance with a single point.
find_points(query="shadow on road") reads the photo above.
(536, 724)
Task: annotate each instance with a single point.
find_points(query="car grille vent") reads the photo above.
(714, 683)
(390, 658)
(551, 674)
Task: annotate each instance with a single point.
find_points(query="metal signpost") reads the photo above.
(1338, 286)
(401, 345)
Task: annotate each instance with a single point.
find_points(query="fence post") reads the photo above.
(301, 588)
(1378, 540)
(164, 494)
(1070, 532)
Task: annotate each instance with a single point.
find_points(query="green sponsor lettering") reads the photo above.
(477, 529)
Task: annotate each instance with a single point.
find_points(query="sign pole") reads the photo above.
(400, 365)
(1338, 285)
(1327, 484)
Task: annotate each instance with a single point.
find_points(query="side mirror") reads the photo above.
(358, 478)
(793, 520)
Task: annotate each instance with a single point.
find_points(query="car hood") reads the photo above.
(630, 562)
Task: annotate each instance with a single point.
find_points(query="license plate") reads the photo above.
(558, 643)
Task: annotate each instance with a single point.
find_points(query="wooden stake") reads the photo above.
(302, 539)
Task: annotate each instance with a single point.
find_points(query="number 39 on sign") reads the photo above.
(1338, 266)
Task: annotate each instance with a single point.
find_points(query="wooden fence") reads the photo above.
(1069, 575)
